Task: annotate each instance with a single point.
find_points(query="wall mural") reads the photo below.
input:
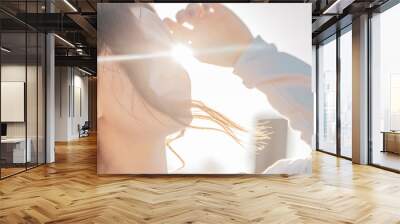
(204, 88)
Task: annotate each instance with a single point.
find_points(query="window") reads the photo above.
(346, 92)
(385, 89)
(327, 96)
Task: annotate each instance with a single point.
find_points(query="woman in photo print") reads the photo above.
(145, 99)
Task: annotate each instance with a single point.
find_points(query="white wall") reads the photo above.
(70, 83)
(62, 81)
(79, 117)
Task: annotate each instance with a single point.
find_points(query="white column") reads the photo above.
(50, 92)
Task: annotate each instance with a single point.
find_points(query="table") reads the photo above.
(13, 150)
(391, 141)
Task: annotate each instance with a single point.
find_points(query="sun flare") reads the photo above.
(181, 53)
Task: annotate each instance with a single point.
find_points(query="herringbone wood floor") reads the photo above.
(69, 191)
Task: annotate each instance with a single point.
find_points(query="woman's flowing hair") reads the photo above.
(202, 112)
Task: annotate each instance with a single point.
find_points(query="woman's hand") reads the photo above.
(217, 36)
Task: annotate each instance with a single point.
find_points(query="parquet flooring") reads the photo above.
(69, 191)
(10, 171)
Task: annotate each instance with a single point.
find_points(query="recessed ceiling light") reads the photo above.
(70, 5)
(338, 6)
(5, 50)
(84, 71)
(65, 41)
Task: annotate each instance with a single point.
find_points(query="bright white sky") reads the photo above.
(212, 152)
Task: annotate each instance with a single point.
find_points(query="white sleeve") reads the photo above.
(285, 80)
